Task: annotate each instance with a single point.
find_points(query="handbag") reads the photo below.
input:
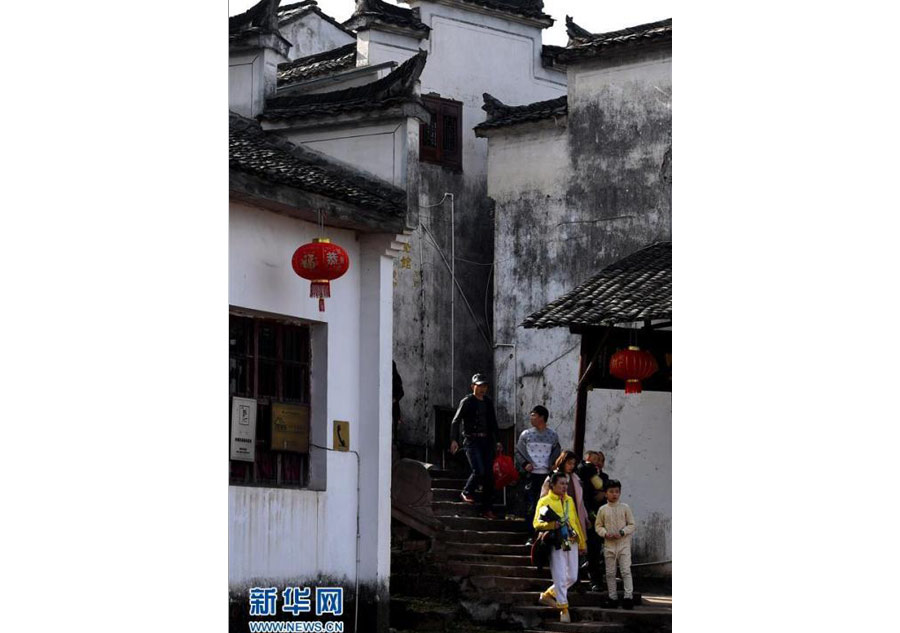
(505, 473)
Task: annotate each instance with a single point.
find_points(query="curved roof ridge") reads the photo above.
(397, 86)
(501, 114)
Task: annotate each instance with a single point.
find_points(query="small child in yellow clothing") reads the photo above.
(615, 524)
(571, 542)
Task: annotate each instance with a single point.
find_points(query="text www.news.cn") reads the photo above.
(295, 627)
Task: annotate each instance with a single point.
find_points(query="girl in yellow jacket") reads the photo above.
(564, 559)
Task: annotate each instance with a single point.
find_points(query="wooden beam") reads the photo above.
(581, 399)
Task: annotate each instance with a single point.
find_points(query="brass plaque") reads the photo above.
(341, 435)
(290, 428)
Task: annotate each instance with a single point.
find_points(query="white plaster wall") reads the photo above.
(252, 77)
(635, 433)
(617, 77)
(286, 533)
(375, 47)
(379, 150)
(535, 158)
(243, 70)
(310, 34)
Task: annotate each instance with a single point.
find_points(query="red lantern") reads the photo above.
(320, 261)
(632, 365)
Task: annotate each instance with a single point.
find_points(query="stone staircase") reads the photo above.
(497, 583)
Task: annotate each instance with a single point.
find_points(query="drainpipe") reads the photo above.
(358, 497)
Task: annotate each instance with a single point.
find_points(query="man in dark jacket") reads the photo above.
(397, 396)
(474, 427)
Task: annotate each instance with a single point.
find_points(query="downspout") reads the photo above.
(358, 499)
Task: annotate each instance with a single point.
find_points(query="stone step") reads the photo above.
(437, 473)
(445, 494)
(510, 583)
(463, 556)
(476, 569)
(639, 616)
(514, 583)
(576, 599)
(486, 525)
(502, 549)
(493, 537)
(462, 509)
(449, 483)
(579, 627)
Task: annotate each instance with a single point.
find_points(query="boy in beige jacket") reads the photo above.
(615, 524)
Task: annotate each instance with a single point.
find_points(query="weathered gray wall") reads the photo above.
(570, 201)
(469, 53)
(620, 135)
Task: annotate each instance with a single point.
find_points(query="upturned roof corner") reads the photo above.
(396, 88)
(577, 34)
(262, 16)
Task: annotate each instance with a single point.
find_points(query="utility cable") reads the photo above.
(455, 281)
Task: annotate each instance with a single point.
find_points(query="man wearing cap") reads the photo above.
(475, 428)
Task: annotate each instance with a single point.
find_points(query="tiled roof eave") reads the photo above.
(594, 45)
(635, 288)
(405, 106)
(532, 16)
(271, 158)
(502, 115)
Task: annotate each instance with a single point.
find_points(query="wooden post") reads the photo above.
(581, 400)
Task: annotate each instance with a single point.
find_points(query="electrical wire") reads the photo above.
(456, 281)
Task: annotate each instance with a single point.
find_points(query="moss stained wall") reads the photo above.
(570, 201)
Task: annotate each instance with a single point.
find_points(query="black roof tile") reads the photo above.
(370, 12)
(397, 87)
(261, 16)
(500, 114)
(635, 288)
(311, 66)
(584, 44)
(274, 159)
(526, 8)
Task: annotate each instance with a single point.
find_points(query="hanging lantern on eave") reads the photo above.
(632, 365)
(320, 262)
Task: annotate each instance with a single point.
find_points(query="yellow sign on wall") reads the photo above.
(290, 428)
(341, 435)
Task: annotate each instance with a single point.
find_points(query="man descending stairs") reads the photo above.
(499, 583)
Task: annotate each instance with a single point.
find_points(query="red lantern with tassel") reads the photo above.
(632, 365)
(320, 261)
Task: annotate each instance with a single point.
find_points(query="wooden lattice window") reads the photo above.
(440, 140)
(269, 360)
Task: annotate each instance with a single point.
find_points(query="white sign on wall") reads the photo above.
(243, 429)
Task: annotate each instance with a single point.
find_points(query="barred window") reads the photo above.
(440, 140)
(269, 361)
